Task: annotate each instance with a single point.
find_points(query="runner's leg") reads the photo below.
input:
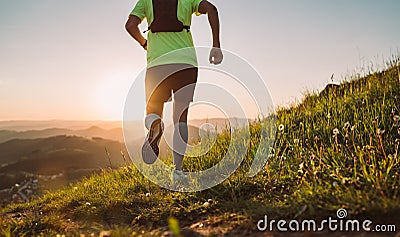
(180, 137)
(183, 96)
(156, 94)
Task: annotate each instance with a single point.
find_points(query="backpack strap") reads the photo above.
(187, 28)
(165, 14)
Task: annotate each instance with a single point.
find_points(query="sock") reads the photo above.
(150, 118)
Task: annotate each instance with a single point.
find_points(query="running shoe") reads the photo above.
(150, 148)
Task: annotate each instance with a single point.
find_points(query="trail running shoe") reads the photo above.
(179, 177)
(150, 149)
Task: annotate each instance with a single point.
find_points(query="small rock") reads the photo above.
(105, 233)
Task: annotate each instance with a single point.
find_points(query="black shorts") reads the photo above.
(162, 80)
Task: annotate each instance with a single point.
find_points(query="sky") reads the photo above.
(73, 59)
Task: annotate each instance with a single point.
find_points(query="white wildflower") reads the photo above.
(346, 125)
(301, 166)
(335, 131)
(396, 119)
(281, 127)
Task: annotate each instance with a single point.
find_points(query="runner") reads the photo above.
(169, 30)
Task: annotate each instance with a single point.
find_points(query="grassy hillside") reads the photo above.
(335, 150)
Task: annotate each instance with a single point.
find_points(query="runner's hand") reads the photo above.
(216, 56)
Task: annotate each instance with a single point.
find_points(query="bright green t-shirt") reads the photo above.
(162, 43)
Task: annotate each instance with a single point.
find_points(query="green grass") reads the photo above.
(330, 152)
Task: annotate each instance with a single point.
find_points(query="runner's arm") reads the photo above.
(208, 8)
(132, 26)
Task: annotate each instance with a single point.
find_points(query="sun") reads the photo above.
(109, 95)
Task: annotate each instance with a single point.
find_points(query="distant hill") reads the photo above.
(24, 125)
(60, 154)
(220, 123)
(94, 131)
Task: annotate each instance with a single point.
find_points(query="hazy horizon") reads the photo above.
(40, 125)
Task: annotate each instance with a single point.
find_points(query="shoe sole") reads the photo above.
(150, 149)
